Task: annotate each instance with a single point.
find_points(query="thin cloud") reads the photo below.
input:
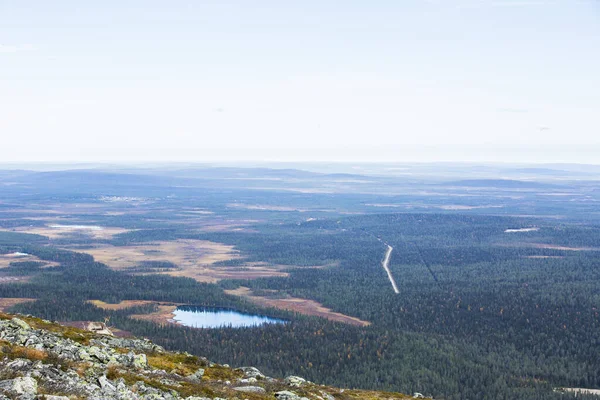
(513, 110)
(15, 48)
(492, 3)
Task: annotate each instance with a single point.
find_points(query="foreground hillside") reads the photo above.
(41, 359)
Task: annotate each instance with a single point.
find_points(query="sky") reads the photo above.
(310, 80)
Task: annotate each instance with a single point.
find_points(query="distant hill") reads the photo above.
(504, 184)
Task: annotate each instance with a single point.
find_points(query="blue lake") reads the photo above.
(204, 317)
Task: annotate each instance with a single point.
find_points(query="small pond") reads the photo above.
(205, 317)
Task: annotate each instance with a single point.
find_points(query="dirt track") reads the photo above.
(386, 266)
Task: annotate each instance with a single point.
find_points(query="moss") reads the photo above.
(218, 372)
(132, 378)
(45, 391)
(180, 363)
(121, 350)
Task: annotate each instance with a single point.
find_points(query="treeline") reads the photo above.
(476, 317)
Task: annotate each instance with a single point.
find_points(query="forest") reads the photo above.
(490, 306)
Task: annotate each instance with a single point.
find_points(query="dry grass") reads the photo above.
(184, 253)
(164, 315)
(183, 364)
(193, 257)
(29, 353)
(119, 306)
(302, 306)
(66, 231)
(6, 259)
(8, 302)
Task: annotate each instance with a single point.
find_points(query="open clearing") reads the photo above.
(521, 230)
(120, 306)
(194, 258)
(557, 247)
(8, 302)
(548, 246)
(184, 253)
(265, 207)
(163, 316)
(6, 259)
(58, 231)
(579, 391)
(302, 306)
(543, 257)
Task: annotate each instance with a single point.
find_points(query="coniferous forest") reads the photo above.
(500, 302)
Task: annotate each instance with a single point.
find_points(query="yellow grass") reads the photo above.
(164, 315)
(119, 306)
(302, 306)
(6, 259)
(56, 233)
(193, 257)
(7, 302)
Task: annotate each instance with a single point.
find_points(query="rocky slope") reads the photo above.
(44, 360)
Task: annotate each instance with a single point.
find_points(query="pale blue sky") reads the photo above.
(403, 80)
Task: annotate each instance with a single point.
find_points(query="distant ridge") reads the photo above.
(504, 184)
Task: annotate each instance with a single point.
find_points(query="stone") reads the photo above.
(98, 353)
(140, 361)
(18, 364)
(251, 372)
(286, 395)
(84, 355)
(106, 385)
(326, 396)
(295, 381)
(20, 323)
(250, 389)
(22, 386)
(196, 376)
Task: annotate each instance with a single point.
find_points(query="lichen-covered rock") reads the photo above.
(140, 361)
(250, 389)
(295, 381)
(196, 376)
(20, 323)
(25, 387)
(251, 372)
(326, 396)
(287, 395)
